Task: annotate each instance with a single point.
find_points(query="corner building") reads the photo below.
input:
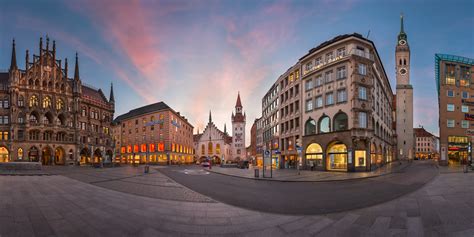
(454, 81)
(348, 109)
(154, 134)
(50, 118)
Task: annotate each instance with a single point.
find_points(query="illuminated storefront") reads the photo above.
(459, 148)
(337, 157)
(314, 155)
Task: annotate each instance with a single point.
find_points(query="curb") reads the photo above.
(311, 181)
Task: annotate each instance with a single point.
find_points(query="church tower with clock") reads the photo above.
(404, 97)
(238, 132)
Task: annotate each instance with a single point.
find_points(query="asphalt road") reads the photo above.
(303, 198)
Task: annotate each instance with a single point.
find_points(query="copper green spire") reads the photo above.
(402, 35)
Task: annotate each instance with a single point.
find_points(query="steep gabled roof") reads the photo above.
(94, 94)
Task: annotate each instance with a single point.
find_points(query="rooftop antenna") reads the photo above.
(368, 33)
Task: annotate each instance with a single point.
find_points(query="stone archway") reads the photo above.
(33, 154)
(97, 156)
(46, 156)
(85, 156)
(4, 153)
(59, 156)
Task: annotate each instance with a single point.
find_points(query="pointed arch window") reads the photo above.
(33, 101)
(59, 104)
(218, 148)
(47, 102)
(203, 149)
(21, 101)
(209, 148)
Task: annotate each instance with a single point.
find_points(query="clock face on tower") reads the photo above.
(403, 71)
(402, 42)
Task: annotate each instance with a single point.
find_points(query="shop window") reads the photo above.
(360, 158)
(314, 155)
(337, 157)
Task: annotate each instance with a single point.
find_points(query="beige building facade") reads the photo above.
(213, 144)
(154, 134)
(425, 144)
(347, 106)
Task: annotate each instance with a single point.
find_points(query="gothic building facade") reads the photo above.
(219, 146)
(50, 118)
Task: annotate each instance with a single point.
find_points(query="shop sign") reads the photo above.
(469, 117)
(470, 132)
(467, 102)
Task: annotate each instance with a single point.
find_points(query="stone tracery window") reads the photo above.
(33, 101)
(59, 104)
(47, 102)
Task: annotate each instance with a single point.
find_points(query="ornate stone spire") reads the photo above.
(76, 69)
(111, 97)
(13, 65)
(65, 67)
(238, 103)
(225, 129)
(210, 117)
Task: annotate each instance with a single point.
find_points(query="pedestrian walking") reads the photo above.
(312, 166)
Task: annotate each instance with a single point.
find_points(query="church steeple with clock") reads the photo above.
(238, 131)
(404, 96)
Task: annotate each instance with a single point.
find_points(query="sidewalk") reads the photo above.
(291, 175)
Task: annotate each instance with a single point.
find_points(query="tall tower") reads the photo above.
(404, 92)
(238, 132)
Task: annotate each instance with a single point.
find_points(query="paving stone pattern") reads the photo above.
(60, 206)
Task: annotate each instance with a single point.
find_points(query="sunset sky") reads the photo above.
(196, 55)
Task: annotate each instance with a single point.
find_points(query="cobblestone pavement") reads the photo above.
(131, 180)
(60, 206)
(306, 175)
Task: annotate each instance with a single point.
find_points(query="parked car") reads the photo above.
(205, 164)
(243, 164)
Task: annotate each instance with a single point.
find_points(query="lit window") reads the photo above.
(59, 104)
(33, 101)
(450, 74)
(450, 123)
(450, 107)
(46, 102)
